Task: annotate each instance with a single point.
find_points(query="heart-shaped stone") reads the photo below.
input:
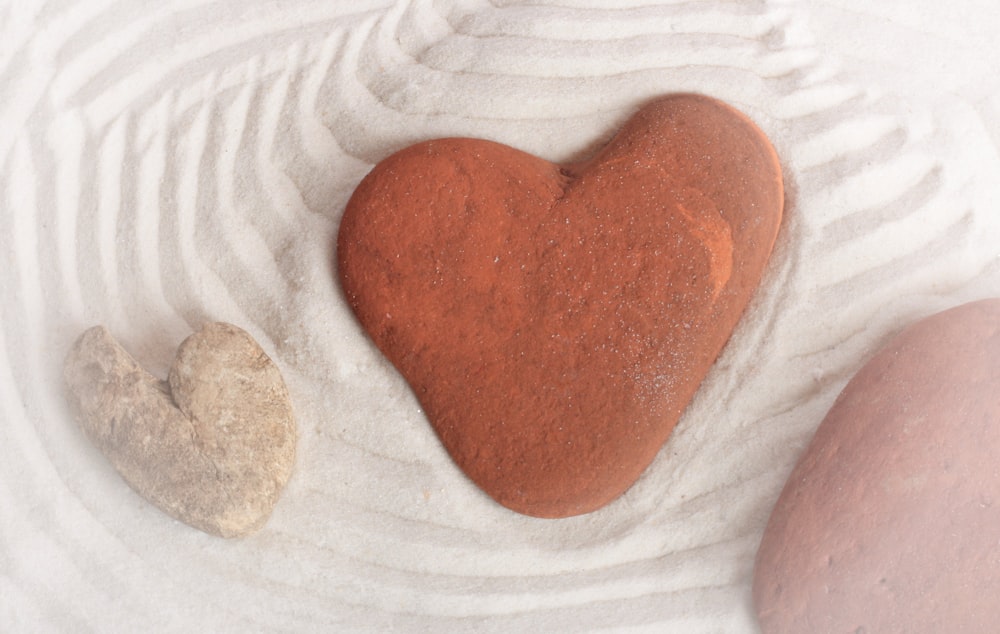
(553, 321)
(213, 446)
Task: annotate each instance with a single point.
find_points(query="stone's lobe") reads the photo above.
(890, 522)
(212, 447)
(554, 322)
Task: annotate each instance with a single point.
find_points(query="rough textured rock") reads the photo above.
(212, 447)
(890, 522)
(553, 321)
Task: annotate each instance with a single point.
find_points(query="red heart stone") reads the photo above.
(554, 322)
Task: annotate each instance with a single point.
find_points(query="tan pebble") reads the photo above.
(213, 446)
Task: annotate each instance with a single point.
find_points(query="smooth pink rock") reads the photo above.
(890, 522)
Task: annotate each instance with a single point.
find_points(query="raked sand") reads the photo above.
(164, 164)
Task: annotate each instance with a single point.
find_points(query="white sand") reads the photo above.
(165, 165)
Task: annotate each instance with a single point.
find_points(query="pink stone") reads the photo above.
(890, 522)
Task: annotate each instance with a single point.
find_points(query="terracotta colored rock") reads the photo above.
(890, 522)
(553, 321)
(213, 446)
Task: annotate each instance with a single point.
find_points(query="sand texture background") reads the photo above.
(165, 164)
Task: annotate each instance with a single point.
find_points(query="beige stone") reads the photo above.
(213, 446)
